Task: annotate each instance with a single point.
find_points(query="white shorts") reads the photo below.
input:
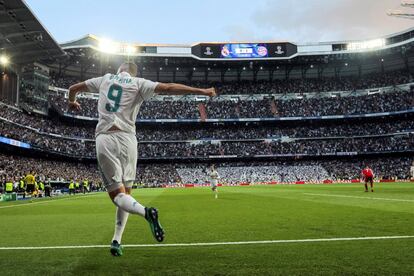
(213, 183)
(117, 154)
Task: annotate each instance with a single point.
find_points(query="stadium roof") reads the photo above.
(23, 39)
(200, 51)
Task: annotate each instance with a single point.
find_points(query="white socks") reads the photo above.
(129, 204)
(120, 222)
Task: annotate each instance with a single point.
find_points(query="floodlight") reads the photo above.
(108, 46)
(4, 60)
(130, 49)
(366, 45)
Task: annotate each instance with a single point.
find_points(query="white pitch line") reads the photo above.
(43, 202)
(362, 197)
(212, 243)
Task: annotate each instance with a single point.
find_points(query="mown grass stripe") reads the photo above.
(361, 197)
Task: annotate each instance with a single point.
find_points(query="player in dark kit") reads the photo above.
(368, 176)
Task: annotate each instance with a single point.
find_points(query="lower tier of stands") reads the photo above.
(311, 171)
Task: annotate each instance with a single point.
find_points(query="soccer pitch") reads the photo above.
(276, 229)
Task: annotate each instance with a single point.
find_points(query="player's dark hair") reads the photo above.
(129, 67)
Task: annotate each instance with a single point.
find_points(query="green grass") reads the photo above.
(252, 213)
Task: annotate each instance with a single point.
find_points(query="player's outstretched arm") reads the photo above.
(73, 90)
(180, 89)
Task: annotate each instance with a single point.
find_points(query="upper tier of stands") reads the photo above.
(390, 99)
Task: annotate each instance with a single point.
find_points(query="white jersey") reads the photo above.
(120, 98)
(412, 171)
(214, 176)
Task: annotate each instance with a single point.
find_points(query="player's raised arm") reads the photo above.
(180, 89)
(73, 90)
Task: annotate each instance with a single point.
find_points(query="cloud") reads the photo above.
(322, 20)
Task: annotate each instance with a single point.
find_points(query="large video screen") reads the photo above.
(244, 51)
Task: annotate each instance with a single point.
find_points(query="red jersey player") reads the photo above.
(368, 176)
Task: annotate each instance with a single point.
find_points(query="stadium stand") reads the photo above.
(231, 173)
(306, 117)
(352, 104)
(395, 137)
(373, 80)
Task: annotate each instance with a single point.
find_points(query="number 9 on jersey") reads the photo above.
(114, 94)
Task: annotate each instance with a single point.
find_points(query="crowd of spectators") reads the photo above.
(175, 109)
(377, 103)
(254, 174)
(56, 127)
(314, 147)
(374, 80)
(64, 82)
(89, 106)
(281, 86)
(148, 110)
(44, 124)
(266, 108)
(228, 109)
(15, 167)
(158, 174)
(76, 148)
(292, 171)
(308, 140)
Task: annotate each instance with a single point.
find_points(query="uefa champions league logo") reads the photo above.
(279, 50)
(208, 51)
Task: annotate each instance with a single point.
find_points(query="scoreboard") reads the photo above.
(244, 50)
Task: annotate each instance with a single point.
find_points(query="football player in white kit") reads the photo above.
(412, 171)
(214, 176)
(120, 98)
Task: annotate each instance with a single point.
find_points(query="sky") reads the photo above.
(191, 21)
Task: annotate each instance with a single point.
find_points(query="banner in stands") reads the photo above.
(15, 143)
(244, 50)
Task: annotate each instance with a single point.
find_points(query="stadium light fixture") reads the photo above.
(130, 49)
(4, 60)
(366, 45)
(108, 46)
